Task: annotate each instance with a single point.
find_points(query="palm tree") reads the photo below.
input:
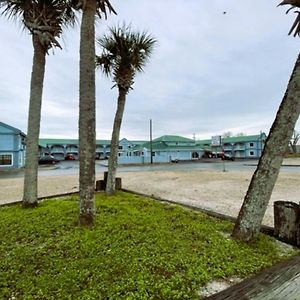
(264, 178)
(124, 54)
(44, 19)
(87, 105)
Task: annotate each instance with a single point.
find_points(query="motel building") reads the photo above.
(61, 148)
(167, 148)
(246, 147)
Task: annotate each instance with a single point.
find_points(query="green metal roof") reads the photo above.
(235, 139)
(45, 142)
(161, 142)
(203, 142)
(162, 146)
(243, 138)
(102, 142)
(172, 138)
(138, 142)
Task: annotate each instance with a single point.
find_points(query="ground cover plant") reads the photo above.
(137, 249)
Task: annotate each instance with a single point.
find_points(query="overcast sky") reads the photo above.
(210, 72)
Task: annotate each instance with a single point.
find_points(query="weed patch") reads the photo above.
(137, 249)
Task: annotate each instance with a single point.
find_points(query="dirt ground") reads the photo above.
(219, 191)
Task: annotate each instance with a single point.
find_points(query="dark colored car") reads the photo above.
(175, 160)
(70, 156)
(47, 159)
(226, 156)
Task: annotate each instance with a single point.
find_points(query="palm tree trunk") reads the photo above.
(87, 135)
(113, 158)
(33, 127)
(262, 183)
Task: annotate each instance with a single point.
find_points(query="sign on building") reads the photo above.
(216, 140)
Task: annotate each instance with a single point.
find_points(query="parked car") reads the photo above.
(47, 159)
(175, 160)
(70, 156)
(226, 156)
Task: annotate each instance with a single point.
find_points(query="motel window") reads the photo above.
(251, 152)
(5, 159)
(251, 144)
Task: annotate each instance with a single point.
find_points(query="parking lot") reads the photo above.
(72, 167)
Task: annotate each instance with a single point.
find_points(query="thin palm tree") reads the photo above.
(264, 178)
(125, 53)
(87, 105)
(44, 19)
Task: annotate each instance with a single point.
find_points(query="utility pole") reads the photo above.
(223, 153)
(151, 157)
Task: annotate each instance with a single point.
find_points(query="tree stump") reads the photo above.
(100, 185)
(286, 222)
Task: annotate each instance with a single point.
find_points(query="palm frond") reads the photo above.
(44, 18)
(296, 25)
(103, 7)
(129, 52)
(104, 62)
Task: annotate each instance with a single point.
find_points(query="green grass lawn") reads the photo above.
(138, 249)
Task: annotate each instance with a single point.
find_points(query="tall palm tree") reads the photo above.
(264, 178)
(44, 19)
(87, 105)
(124, 54)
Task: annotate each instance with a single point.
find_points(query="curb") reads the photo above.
(40, 198)
(264, 228)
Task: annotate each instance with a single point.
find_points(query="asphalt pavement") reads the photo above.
(72, 167)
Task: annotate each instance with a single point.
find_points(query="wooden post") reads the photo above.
(105, 176)
(118, 183)
(286, 222)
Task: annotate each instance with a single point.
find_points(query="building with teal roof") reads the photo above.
(247, 146)
(60, 148)
(164, 149)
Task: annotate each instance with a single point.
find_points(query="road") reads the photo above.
(72, 167)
